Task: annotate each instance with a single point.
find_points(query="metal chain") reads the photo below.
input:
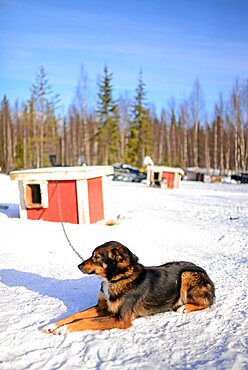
(62, 224)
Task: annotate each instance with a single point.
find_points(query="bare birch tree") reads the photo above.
(245, 121)
(197, 105)
(81, 104)
(123, 112)
(184, 122)
(236, 117)
(6, 136)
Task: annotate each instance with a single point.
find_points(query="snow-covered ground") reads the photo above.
(40, 282)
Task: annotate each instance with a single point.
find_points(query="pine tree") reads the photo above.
(108, 126)
(140, 129)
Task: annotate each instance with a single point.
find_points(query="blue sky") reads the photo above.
(174, 42)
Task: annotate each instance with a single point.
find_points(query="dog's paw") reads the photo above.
(187, 308)
(182, 309)
(62, 330)
(48, 329)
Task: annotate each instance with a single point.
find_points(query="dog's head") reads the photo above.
(109, 260)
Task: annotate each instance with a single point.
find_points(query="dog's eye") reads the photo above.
(96, 258)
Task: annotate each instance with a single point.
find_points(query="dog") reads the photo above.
(130, 290)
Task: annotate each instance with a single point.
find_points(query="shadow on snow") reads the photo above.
(10, 210)
(76, 294)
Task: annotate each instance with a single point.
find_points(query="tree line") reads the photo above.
(123, 130)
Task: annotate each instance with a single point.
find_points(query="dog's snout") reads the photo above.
(86, 267)
(80, 266)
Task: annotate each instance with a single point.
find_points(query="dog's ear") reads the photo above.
(134, 259)
(119, 257)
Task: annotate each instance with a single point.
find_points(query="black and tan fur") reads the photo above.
(130, 290)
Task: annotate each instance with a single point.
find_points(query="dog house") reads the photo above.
(63, 194)
(164, 177)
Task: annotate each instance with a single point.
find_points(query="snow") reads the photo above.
(40, 282)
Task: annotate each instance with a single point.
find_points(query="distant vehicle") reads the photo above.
(241, 179)
(125, 172)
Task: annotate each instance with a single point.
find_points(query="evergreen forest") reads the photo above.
(123, 130)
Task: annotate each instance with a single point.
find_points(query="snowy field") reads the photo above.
(40, 282)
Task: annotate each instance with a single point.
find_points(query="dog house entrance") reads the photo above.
(156, 179)
(35, 195)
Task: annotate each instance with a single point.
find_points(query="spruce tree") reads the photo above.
(140, 128)
(108, 125)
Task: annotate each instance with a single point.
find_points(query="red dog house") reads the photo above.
(67, 194)
(164, 177)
